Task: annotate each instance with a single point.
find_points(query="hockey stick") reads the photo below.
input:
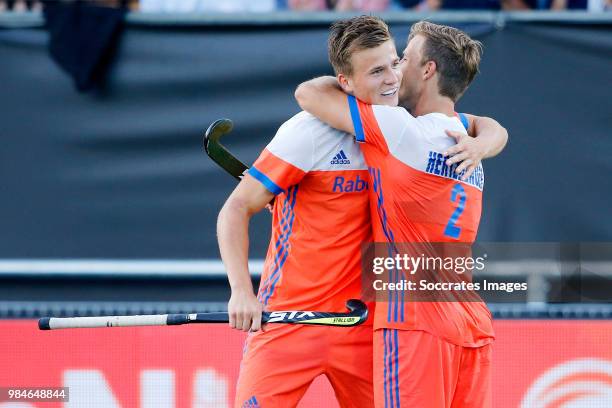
(216, 151)
(358, 313)
(219, 154)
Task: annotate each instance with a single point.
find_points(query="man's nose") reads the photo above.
(393, 76)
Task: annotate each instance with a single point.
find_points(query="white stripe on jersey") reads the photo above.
(410, 139)
(311, 145)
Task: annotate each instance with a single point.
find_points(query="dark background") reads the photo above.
(119, 172)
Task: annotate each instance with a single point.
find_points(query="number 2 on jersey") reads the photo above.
(452, 230)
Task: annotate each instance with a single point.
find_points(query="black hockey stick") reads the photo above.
(216, 151)
(358, 313)
(219, 154)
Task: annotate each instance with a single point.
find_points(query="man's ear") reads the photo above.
(345, 83)
(430, 70)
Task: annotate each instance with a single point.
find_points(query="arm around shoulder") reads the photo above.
(323, 98)
(489, 132)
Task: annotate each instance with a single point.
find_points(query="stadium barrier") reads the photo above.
(101, 283)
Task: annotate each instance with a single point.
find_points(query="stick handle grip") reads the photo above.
(51, 323)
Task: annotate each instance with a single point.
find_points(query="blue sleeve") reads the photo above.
(265, 180)
(464, 120)
(359, 135)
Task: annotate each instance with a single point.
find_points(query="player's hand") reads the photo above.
(468, 151)
(244, 311)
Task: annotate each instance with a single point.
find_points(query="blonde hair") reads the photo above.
(457, 56)
(348, 36)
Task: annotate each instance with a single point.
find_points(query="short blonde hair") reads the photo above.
(355, 34)
(457, 56)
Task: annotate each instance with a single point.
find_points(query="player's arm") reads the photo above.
(488, 139)
(282, 164)
(493, 136)
(323, 98)
(249, 197)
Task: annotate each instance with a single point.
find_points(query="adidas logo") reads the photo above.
(340, 158)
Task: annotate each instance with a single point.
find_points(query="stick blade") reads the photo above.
(357, 307)
(214, 132)
(218, 153)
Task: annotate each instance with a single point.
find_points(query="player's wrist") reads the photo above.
(242, 289)
(484, 147)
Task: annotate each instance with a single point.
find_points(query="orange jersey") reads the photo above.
(320, 217)
(415, 197)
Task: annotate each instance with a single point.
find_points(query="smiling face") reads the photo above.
(375, 76)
